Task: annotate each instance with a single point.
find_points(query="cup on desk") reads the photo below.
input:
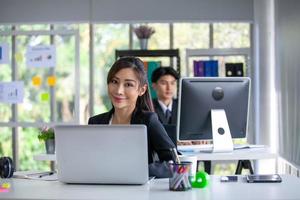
(180, 180)
(193, 160)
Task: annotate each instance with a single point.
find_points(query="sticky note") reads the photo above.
(19, 57)
(4, 190)
(5, 185)
(45, 96)
(51, 80)
(36, 81)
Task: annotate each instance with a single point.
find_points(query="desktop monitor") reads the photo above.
(213, 106)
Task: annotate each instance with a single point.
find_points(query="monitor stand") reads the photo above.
(222, 140)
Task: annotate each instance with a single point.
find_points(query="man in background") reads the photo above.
(164, 82)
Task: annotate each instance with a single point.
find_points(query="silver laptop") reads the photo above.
(102, 154)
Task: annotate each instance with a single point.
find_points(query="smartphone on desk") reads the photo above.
(268, 178)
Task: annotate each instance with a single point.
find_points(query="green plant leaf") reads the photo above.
(46, 134)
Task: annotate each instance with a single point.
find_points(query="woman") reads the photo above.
(128, 91)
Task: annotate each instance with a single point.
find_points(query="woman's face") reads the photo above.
(124, 89)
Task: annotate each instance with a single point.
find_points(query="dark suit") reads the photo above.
(161, 114)
(158, 141)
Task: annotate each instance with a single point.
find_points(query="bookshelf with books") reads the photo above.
(211, 64)
(171, 53)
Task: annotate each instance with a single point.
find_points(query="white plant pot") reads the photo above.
(144, 44)
(50, 146)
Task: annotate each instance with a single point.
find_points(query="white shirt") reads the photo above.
(164, 107)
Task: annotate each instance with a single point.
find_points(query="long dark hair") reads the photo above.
(143, 102)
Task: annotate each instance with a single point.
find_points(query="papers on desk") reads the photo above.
(42, 176)
(150, 180)
(209, 147)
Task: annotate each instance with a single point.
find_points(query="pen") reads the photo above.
(175, 155)
(46, 174)
(38, 173)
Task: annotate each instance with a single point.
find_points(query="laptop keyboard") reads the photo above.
(195, 147)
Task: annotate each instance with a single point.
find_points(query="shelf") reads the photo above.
(218, 52)
(171, 53)
(46, 157)
(148, 53)
(245, 52)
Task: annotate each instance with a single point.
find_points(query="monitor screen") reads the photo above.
(199, 95)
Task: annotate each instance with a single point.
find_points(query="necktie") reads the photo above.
(168, 115)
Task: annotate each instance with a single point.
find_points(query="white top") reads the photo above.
(158, 189)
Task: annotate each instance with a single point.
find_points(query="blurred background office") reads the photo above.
(261, 34)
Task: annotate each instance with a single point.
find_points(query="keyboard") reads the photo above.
(209, 147)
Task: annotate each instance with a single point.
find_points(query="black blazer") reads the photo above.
(158, 140)
(161, 114)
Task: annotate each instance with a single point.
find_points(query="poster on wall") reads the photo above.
(4, 53)
(12, 92)
(41, 56)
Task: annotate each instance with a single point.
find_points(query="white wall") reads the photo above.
(172, 10)
(288, 68)
(42, 11)
(263, 73)
(36, 11)
(276, 79)
(264, 67)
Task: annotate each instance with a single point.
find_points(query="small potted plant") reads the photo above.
(143, 33)
(47, 135)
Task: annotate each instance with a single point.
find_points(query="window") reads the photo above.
(5, 76)
(107, 38)
(231, 35)
(6, 143)
(190, 36)
(159, 40)
(5, 27)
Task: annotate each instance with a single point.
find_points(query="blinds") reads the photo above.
(44, 11)
(173, 10)
(288, 47)
(51, 11)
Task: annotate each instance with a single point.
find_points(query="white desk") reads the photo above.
(240, 154)
(158, 189)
